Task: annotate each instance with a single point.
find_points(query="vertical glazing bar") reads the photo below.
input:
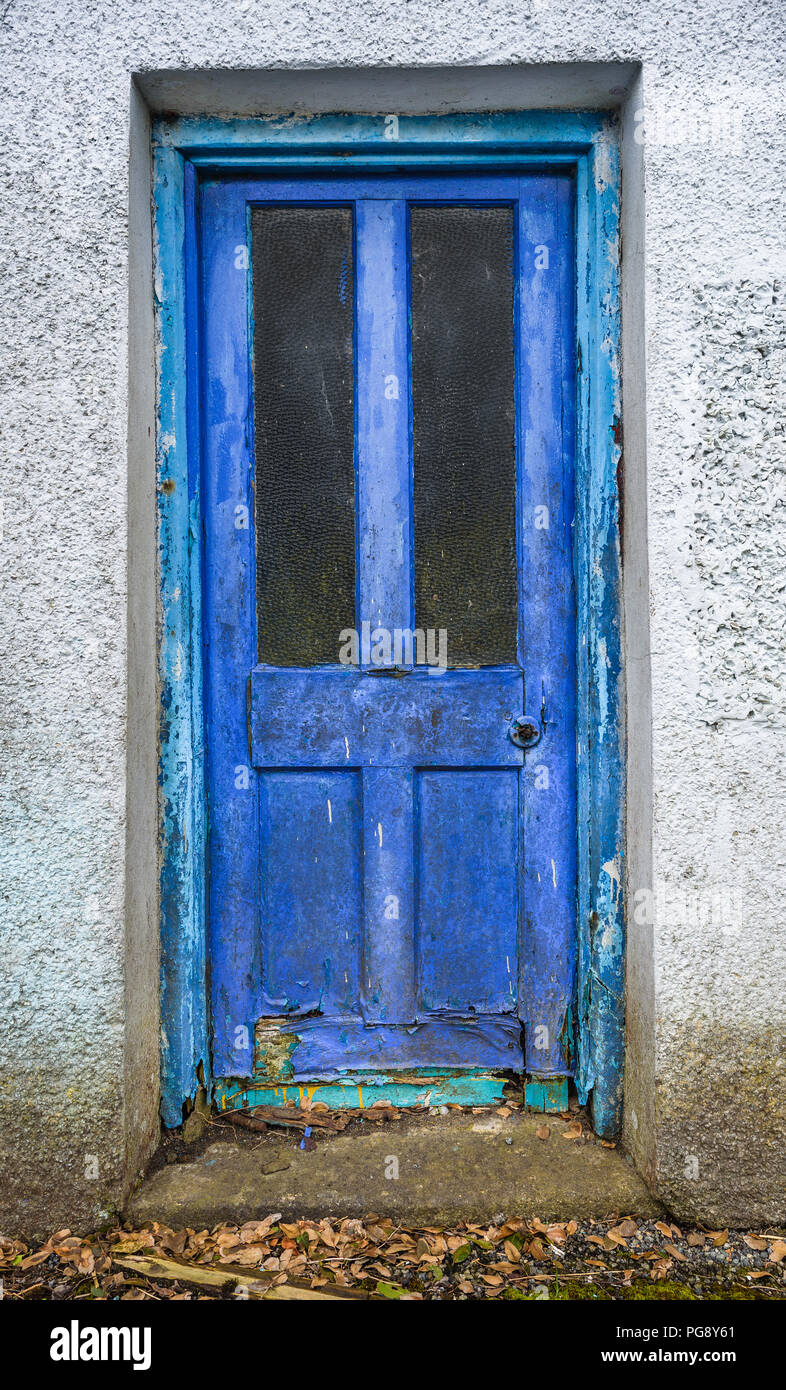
(546, 440)
(384, 506)
(385, 586)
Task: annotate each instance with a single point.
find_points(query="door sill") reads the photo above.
(432, 1088)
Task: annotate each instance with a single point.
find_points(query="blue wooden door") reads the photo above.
(387, 440)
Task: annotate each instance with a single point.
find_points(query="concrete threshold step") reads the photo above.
(422, 1170)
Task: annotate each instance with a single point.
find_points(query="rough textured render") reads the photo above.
(707, 990)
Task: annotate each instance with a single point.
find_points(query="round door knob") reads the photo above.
(525, 731)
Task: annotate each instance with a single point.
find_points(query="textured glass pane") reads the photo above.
(463, 424)
(304, 432)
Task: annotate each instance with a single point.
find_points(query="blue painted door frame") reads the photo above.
(583, 149)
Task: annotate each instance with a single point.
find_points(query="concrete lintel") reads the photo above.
(520, 87)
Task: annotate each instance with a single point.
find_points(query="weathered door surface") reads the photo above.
(388, 425)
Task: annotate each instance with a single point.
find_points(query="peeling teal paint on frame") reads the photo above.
(184, 1042)
(601, 984)
(588, 143)
(333, 137)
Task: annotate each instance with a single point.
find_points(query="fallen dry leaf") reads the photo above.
(253, 1231)
(328, 1235)
(248, 1255)
(175, 1243)
(30, 1261)
(616, 1236)
(66, 1249)
(510, 1228)
(755, 1242)
(572, 1130)
(543, 1132)
(672, 1250)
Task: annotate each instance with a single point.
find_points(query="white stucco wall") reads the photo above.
(705, 550)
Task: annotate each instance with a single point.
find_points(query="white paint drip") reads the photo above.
(612, 868)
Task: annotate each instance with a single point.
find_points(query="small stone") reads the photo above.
(194, 1127)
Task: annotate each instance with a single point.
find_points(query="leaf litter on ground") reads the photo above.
(375, 1257)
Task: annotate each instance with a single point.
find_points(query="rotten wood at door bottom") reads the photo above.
(258, 1118)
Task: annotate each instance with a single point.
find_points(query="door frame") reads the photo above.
(586, 144)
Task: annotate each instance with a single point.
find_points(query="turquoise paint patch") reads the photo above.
(547, 1096)
(437, 1087)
